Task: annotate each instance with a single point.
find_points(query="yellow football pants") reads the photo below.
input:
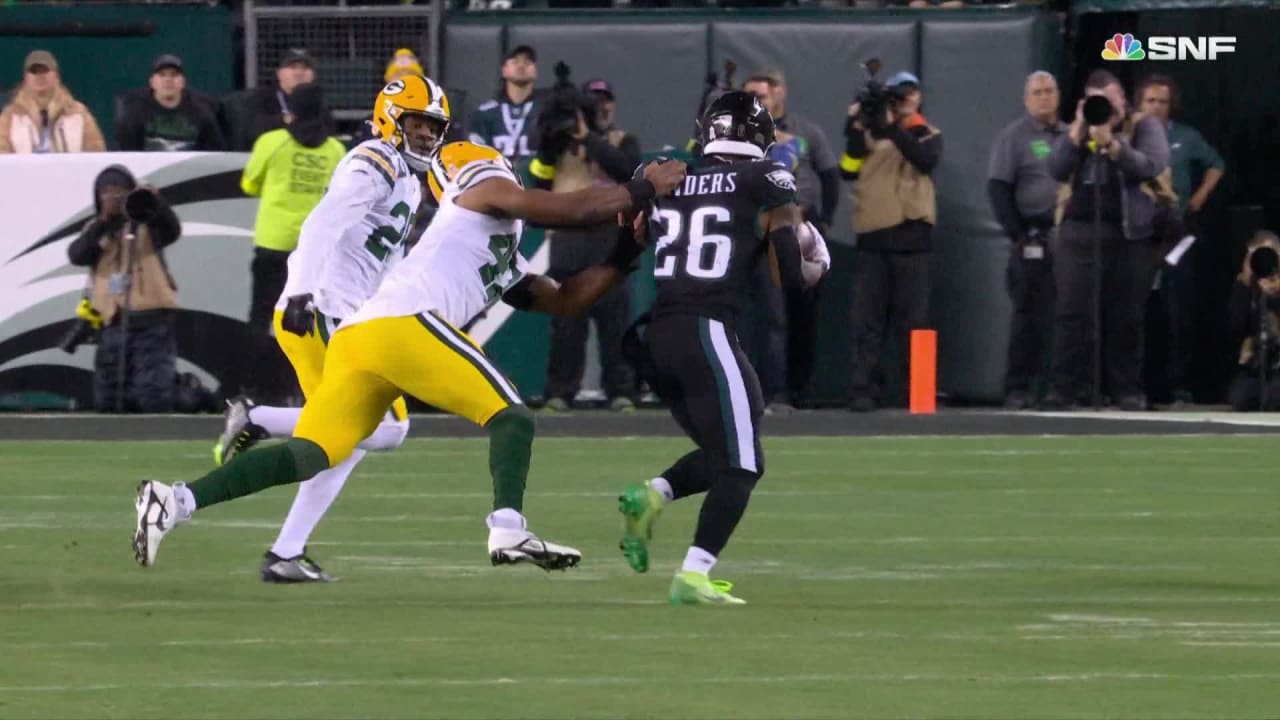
(368, 365)
(306, 354)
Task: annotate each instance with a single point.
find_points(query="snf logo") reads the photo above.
(1125, 47)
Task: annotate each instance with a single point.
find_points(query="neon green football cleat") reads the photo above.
(695, 588)
(640, 505)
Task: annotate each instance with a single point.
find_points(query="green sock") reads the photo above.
(510, 446)
(259, 469)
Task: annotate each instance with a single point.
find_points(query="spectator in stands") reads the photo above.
(43, 117)
(507, 122)
(788, 324)
(599, 153)
(1106, 171)
(132, 289)
(404, 62)
(269, 107)
(1245, 317)
(1193, 163)
(166, 117)
(1023, 196)
(289, 169)
(894, 210)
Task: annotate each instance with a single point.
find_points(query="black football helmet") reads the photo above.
(736, 123)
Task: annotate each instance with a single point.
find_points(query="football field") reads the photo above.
(965, 577)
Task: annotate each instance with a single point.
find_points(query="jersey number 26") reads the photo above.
(706, 253)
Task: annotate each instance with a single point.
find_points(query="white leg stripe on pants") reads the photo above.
(451, 337)
(739, 401)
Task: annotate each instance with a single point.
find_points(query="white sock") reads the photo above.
(184, 500)
(663, 487)
(278, 421)
(506, 518)
(313, 500)
(389, 435)
(698, 560)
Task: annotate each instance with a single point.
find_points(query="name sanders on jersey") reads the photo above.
(708, 184)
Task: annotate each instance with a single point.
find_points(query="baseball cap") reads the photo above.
(403, 61)
(523, 50)
(599, 85)
(167, 60)
(40, 57)
(297, 55)
(903, 78)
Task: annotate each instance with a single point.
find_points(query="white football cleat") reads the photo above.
(509, 546)
(157, 514)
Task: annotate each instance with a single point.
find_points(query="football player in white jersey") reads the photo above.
(348, 242)
(405, 339)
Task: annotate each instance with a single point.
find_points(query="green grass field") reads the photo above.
(1110, 577)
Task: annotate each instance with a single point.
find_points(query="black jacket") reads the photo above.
(265, 110)
(146, 125)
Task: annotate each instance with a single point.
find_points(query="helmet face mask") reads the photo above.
(407, 96)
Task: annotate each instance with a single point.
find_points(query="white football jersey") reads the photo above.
(357, 231)
(463, 263)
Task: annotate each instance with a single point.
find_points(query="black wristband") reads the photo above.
(625, 251)
(642, 191)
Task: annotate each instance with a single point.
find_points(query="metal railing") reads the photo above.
(351, 45)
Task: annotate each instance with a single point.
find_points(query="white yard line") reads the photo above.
(694, 680)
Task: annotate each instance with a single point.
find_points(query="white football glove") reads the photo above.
(813, 249)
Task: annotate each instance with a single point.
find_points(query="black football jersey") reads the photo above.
(707, 237)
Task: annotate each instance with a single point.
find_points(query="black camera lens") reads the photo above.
(141, 205)
(1264, 262)
(1097, 110)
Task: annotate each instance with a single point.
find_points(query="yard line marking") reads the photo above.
(617, 680)
(413, 640)
(1229, 644)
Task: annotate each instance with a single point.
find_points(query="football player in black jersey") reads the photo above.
(734, 209)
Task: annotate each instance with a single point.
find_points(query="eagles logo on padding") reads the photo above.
(782, 179)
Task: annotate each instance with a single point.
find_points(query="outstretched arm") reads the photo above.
(539, 293)
(590, 206)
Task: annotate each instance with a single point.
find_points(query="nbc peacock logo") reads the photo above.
(1123, 47)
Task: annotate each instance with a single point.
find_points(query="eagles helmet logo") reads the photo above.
(782, 179)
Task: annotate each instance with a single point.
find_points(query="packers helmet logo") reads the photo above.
(395, 87)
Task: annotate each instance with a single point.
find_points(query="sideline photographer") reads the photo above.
(890, 152)
(1109, 241)
(134, 293)
(1254, 317)
(579, 146)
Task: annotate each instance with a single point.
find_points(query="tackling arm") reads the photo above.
(539, 293)
(590, 206)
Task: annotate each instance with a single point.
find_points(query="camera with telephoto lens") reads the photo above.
(558, 121)
(875, 98)
(141, 205)
(1264, 262)
(1097, 110)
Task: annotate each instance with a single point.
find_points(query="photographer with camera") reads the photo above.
(1254, 318)
(890, 152)
(132, 290)
(1023, 197)
(1109, 233)
(579, 146)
